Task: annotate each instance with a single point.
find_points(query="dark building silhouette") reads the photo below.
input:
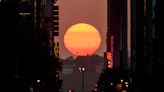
(145, 26)
(118, 28)
(7, 60)
(158, 46)
(145, 44)
(19, 40)
(26, 64)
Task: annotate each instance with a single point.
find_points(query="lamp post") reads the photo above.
(82, 69)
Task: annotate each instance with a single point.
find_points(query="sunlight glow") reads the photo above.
(82, 39)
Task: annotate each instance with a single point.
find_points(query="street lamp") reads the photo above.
(82, 69)
(122, 80)
(111, 84)
(38, 81)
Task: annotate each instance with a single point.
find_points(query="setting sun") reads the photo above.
(82, 39)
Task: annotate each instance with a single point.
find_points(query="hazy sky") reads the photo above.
(93, 12)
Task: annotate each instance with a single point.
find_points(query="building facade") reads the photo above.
(143, 34)
(26, 63)
(73, 78)
(119, 32)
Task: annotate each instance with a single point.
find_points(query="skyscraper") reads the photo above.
(143, 28)
(158, 46)
(119, 32)
(26, 60)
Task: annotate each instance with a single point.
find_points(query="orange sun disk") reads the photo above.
(82, 39)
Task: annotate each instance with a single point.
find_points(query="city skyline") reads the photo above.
(129, 59)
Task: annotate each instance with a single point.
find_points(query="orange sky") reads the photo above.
(93, 12)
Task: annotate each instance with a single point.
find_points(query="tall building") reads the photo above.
(158, 46)
(48, 27)
(26, 60)
(32, 54)
(54, 81)
(8, 24)
(56, 29)
(19, 43)
(118, 34)
(143, 29)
